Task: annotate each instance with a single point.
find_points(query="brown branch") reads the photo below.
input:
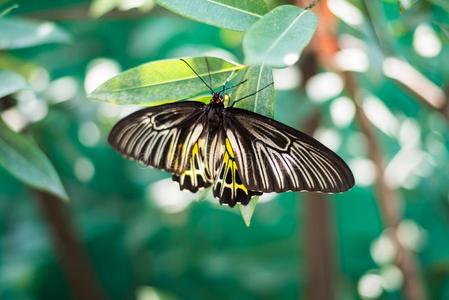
(325, 46)
(68, 247)
(318, 238)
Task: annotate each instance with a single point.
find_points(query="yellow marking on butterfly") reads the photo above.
(229, 148)
(226, 98)
(231, 165)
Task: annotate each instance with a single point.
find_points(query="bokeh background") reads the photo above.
(140, 238)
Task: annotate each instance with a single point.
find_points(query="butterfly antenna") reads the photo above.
(247, 96)
(205, 83)
(208, 70)
(234, 86)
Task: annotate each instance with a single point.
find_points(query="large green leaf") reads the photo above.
(20, 33)
(279, 37)
(23, 159)
(165, 80)
(10, 82)
(262, 102)
(231, 14)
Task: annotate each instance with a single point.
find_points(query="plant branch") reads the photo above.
(68, 247)
(318, 238)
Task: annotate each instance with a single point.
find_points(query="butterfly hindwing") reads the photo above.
(276, 158)
(195, 175)
(228, 186)
(160, 136)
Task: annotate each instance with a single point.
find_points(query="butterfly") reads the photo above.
(239, 153)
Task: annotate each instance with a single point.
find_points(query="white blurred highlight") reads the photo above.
(346, 12)
(392, 278)
(287, 78)
(32, 108)
(370, 286)
(84, 169)
(62, 89)
(99, 71)
(290, 58)
(383, 251)
(379, 114)
(89, 134)
(324, 86)
(410, 235)
(401, 171)
(364, 171)
(407, 75)
(329, 137)
(266, 197)
(130, 4)
(15, 120)
(169, 197)
(425, 41)
(352, 59)
(45, 29)
(39, 79)
(147, 293)
(342, 111)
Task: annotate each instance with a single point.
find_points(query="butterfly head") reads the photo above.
(219, 98)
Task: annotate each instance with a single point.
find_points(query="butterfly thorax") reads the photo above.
(215, 111)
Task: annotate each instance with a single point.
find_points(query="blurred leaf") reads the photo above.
(8, 10)
(230, 14)
(444, 4)
(261, 102)
(20, 33)
(101, 7)
(10, 82)
(247, 211)
(165, 80)
(444, 29)
(23, 159)
(279, 37)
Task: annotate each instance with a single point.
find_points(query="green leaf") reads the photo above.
(236, 15)
(20, 33)
(165, 80)
(279, 37)
(247, 211)
(10, 82)
(263, 101)
(23, 159)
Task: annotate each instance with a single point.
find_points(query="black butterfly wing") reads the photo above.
(227, 183)
(273, 157)
(160, 136)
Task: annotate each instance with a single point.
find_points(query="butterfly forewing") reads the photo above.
(273, 157)
(161, 136)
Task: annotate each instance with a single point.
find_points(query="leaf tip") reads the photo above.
(247, 211)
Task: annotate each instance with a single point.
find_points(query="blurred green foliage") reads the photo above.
(142, 242)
